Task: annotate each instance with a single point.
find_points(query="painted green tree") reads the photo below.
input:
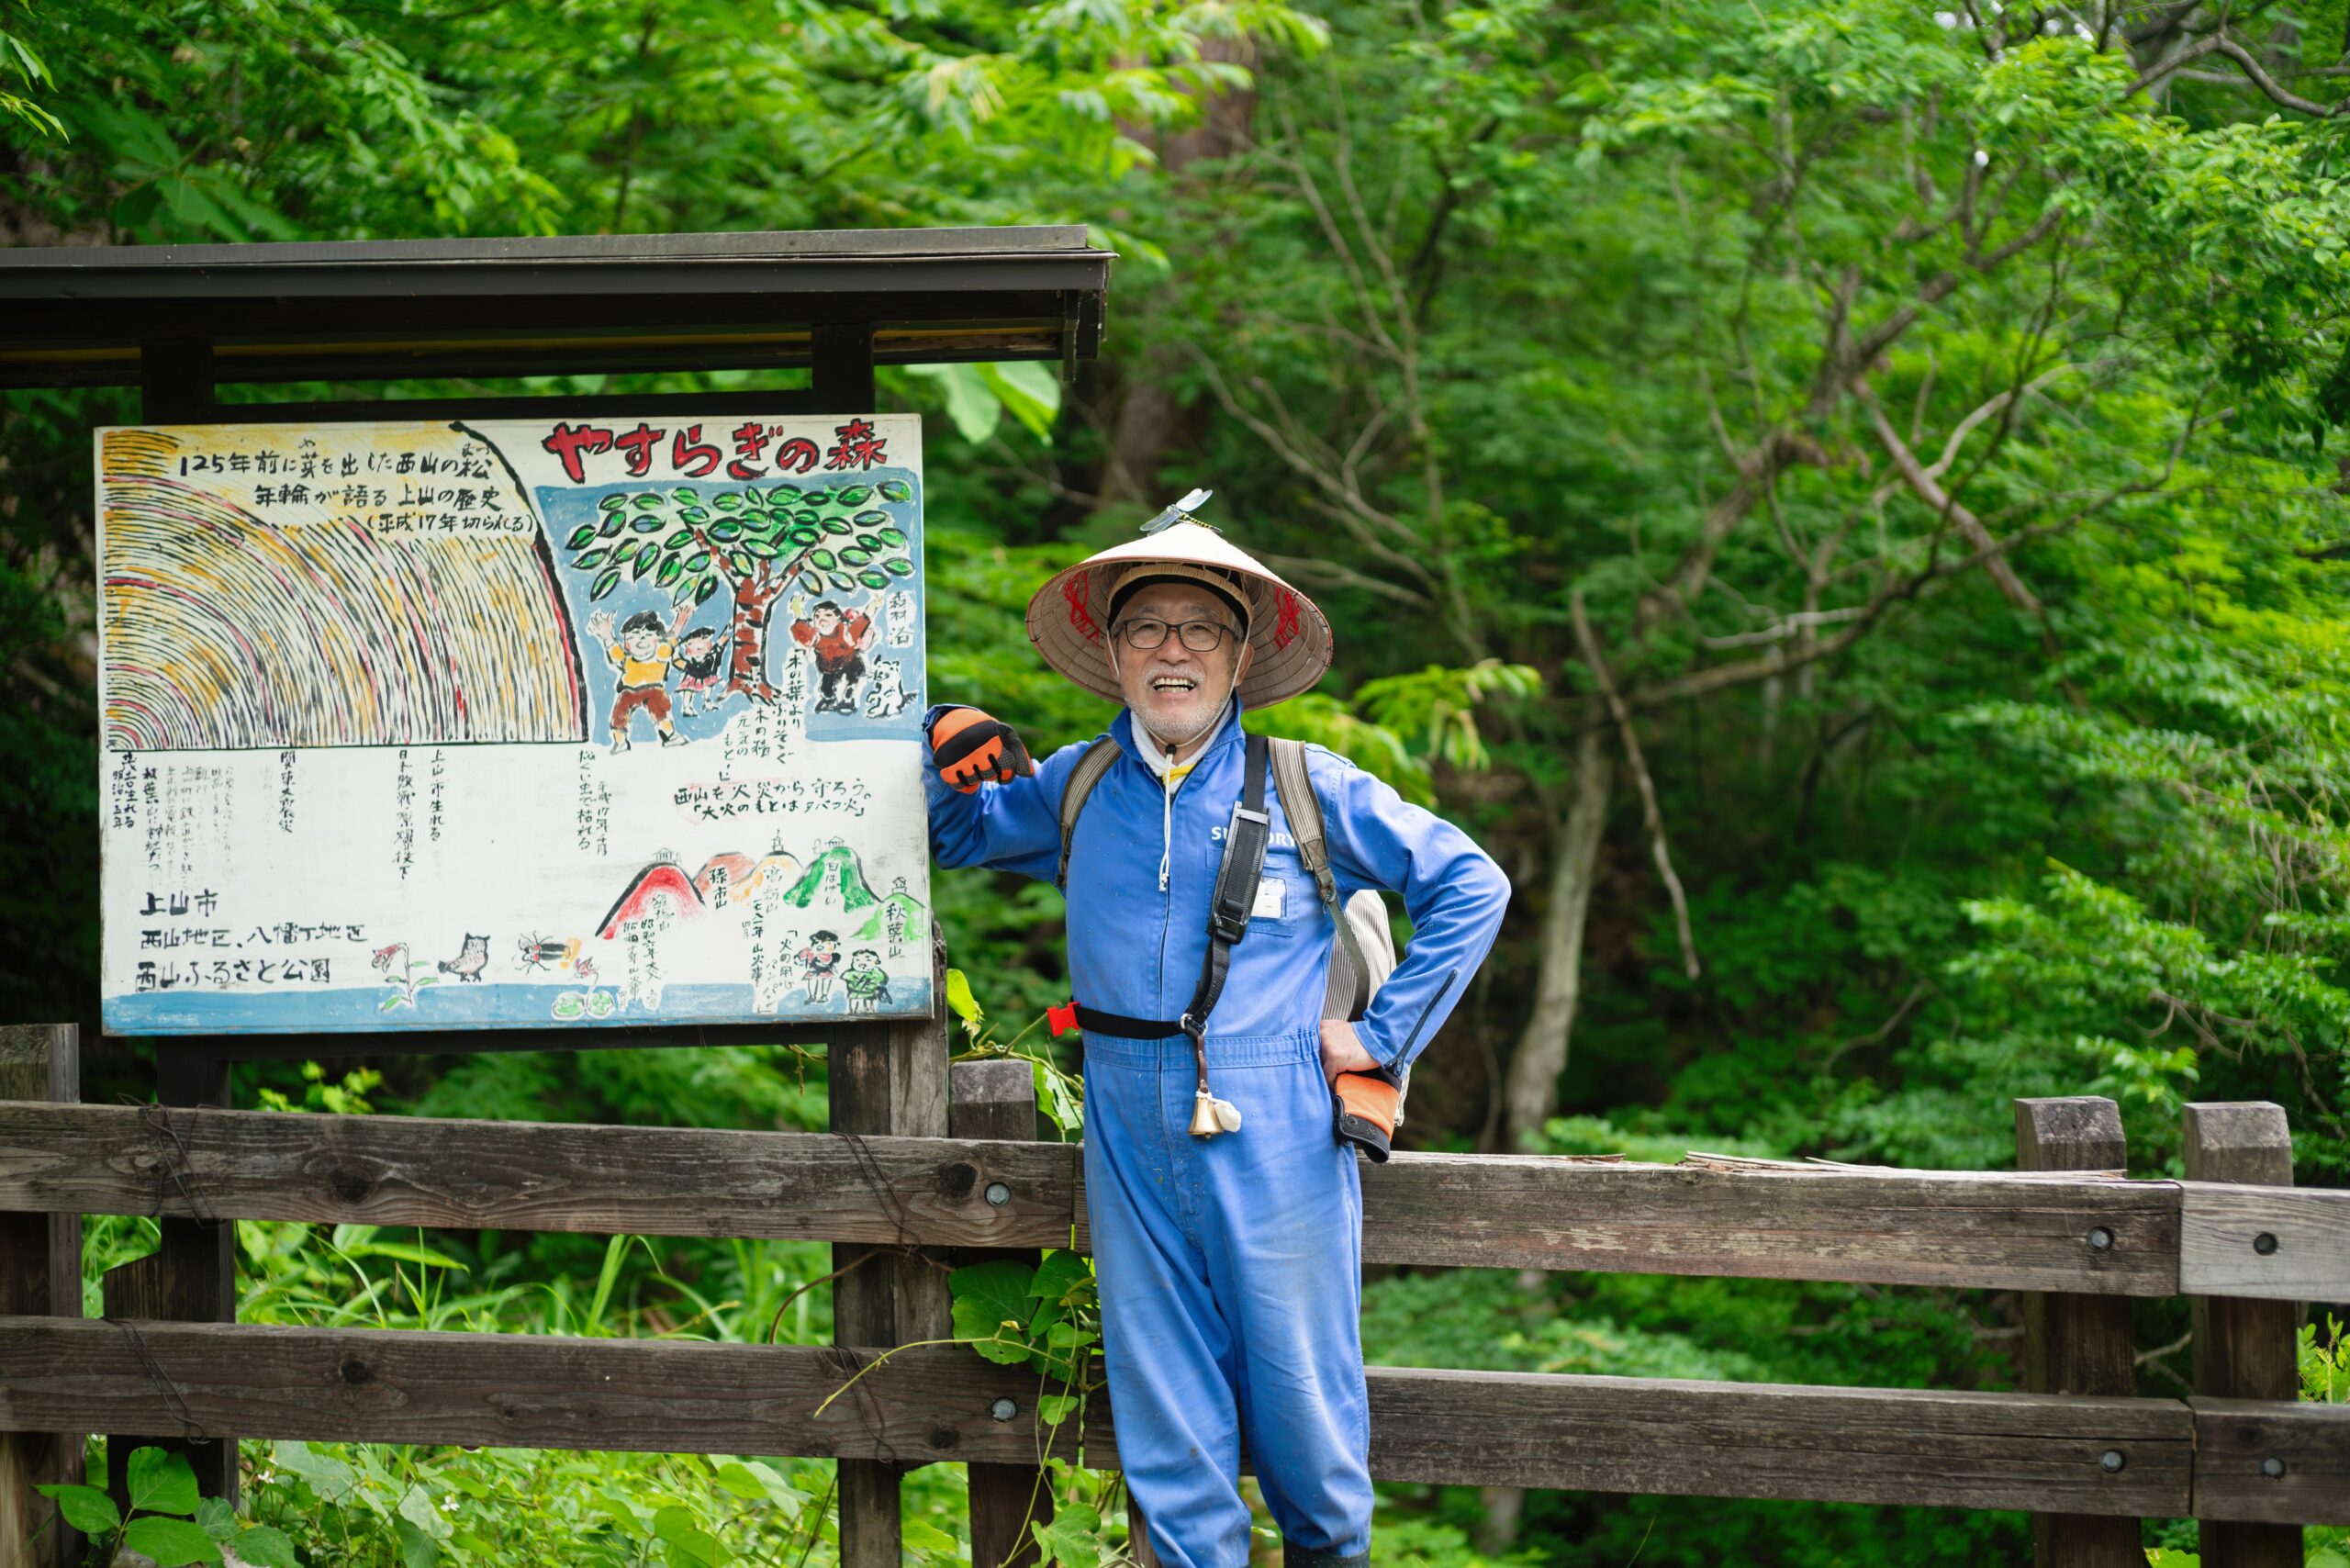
(757, 542)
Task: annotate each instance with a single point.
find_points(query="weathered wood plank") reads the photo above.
(998, 1099)
(2002, 1232)
(40, 1273)
(2007, 1451)
(2220, 1249)
(2271, 1462)
(2076, 1343)
(2245, 1347)
(474, 1175)
(1987, 1231)
(884, 1079)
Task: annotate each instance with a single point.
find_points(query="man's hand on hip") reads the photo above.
(1341, 1052)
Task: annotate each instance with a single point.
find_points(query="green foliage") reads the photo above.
(169, 1521)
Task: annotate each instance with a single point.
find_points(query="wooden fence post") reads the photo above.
(886, 1079)
(191, 1277)
(998, 1099)
(2079, 1344)
(2244, 1348)
(41, 1276)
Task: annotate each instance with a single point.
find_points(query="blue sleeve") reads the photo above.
(1453, 889)
(1003, 827)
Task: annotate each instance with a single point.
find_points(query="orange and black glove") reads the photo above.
(1367, 1105)
(969, 747)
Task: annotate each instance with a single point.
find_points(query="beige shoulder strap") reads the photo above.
(1099, 759)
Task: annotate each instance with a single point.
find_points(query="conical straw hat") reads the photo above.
(1069, 617)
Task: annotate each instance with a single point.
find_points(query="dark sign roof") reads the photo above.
(375, 309)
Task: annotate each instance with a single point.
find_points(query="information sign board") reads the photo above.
(447, 725)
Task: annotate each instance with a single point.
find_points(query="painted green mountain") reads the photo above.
(917, 925)
(837, 876)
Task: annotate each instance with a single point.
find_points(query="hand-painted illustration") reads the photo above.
(423, 654)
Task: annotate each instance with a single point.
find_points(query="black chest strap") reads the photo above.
(1246, 838)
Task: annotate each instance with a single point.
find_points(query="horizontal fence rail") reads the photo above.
(2079, 1233)
(2055, 1452)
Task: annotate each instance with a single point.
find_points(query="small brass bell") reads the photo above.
(1211, 1115)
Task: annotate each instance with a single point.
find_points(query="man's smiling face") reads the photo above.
(1176, 693)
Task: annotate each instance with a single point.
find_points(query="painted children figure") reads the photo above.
(838, 638)
(866, 984)
(643, 658)
(820, 959)
(702, 668)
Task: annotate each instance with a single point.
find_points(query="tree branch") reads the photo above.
(1651, 816)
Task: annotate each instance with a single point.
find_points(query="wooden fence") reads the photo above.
(2079, 1450)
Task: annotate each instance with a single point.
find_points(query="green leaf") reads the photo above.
(690, 1546)
(898, 566)
(1030, 392)
(418, 1550)
(854, 495)
(726, 531)
(709, 585)
(604, 585)
(679, 540)
(972, 405)
(891, 538)
(959, 997)
(1055, 1409)
(925, 1537)
(580, 536)
(606, 1278)
(991, 1308)
(874, 579)
(418, 1508)
(216, 1518)
(735, 1478)
(871, 519)
(729, 502)
(671, 569)
(265, 1546)
(171, 1542)
(1072, 1538)
(895, 490)
(1063, 1276)
(161, 1483)
(649, 524)
(649, 501)
(330, 1478)
(86, 1509)
(613, 503)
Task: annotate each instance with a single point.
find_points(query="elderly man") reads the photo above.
(1227, 1220)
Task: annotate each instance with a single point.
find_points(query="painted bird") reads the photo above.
(470, 960)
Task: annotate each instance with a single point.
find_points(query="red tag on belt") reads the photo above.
(1062, 1019)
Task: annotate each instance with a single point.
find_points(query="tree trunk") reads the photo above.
(1531, 1094)
(746, 668)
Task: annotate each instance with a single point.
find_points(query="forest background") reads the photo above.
(1846, 500)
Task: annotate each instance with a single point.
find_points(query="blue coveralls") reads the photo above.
(1230, 1268)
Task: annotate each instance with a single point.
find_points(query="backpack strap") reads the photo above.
(1098, 760)
(1303, 809)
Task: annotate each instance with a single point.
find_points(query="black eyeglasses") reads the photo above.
(1200, 636)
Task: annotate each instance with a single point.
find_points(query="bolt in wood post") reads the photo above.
(886, 1079)
(998, 1099)
(2078, 1344)
(2243, 1349)
(191, 1277)
(41, 1276)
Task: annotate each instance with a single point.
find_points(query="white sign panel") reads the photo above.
(443, 725)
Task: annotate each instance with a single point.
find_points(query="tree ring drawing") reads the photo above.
(493, 724)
